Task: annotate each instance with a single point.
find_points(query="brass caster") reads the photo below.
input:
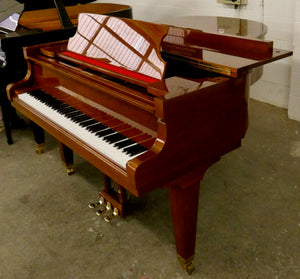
(187, 265)
(189, 268)
(109, 217)
(105, 210)
(94, 205)
(69, 170)
(39, 148)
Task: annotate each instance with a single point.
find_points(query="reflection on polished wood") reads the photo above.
(48, 19)
(220, 25)
(223, 54)
(147, 134)
(224, 26)
(115, 41)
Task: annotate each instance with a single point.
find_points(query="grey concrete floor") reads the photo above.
(248, 223)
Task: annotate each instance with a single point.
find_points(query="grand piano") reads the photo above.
(150, 105)
(40, 22)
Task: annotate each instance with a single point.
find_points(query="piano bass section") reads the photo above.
(108, 95)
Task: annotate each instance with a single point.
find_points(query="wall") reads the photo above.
(281, 80)
(294, 98)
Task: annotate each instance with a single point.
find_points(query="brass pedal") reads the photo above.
(105, 210)
(94, 205)
(114, 214)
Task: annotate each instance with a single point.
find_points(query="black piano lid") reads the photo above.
(31, 5)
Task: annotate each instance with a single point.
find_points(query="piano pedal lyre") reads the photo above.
(112, 200)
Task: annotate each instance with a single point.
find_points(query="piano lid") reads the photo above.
(225, 54)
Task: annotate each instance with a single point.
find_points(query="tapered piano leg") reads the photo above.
(184, 206)
(67, 157)
(39, 137)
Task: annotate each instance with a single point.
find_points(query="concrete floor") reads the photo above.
(248, 225)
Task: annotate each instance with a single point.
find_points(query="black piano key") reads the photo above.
(124, 143)
(51, 101)
(68, 111)
(55, 105)
(80, 118)
(31, 94)
(105, 132)
(97, 127)
(88, 123)
(61, 106)
(75, 114)
(114, 138)
(118, 140)
(35, 92)
(134, 149)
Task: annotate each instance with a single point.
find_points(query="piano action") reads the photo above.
(144, 121)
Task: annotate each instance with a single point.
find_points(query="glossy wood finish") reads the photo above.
(48, 19)
(196, 116)
(184, 206)
(219, 25)
(227, 55)
(224, 26)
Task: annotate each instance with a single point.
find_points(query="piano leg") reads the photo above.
(9, 115)
(184, 206)
(39, 137)
(6, 126)
(67, 157)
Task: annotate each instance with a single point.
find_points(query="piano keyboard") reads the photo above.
(111, 137)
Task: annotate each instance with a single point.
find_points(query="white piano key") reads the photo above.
(103, 147)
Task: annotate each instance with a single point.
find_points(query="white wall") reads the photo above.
(294, 98)
(280, 84)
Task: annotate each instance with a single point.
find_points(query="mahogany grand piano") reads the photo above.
(149, 105)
